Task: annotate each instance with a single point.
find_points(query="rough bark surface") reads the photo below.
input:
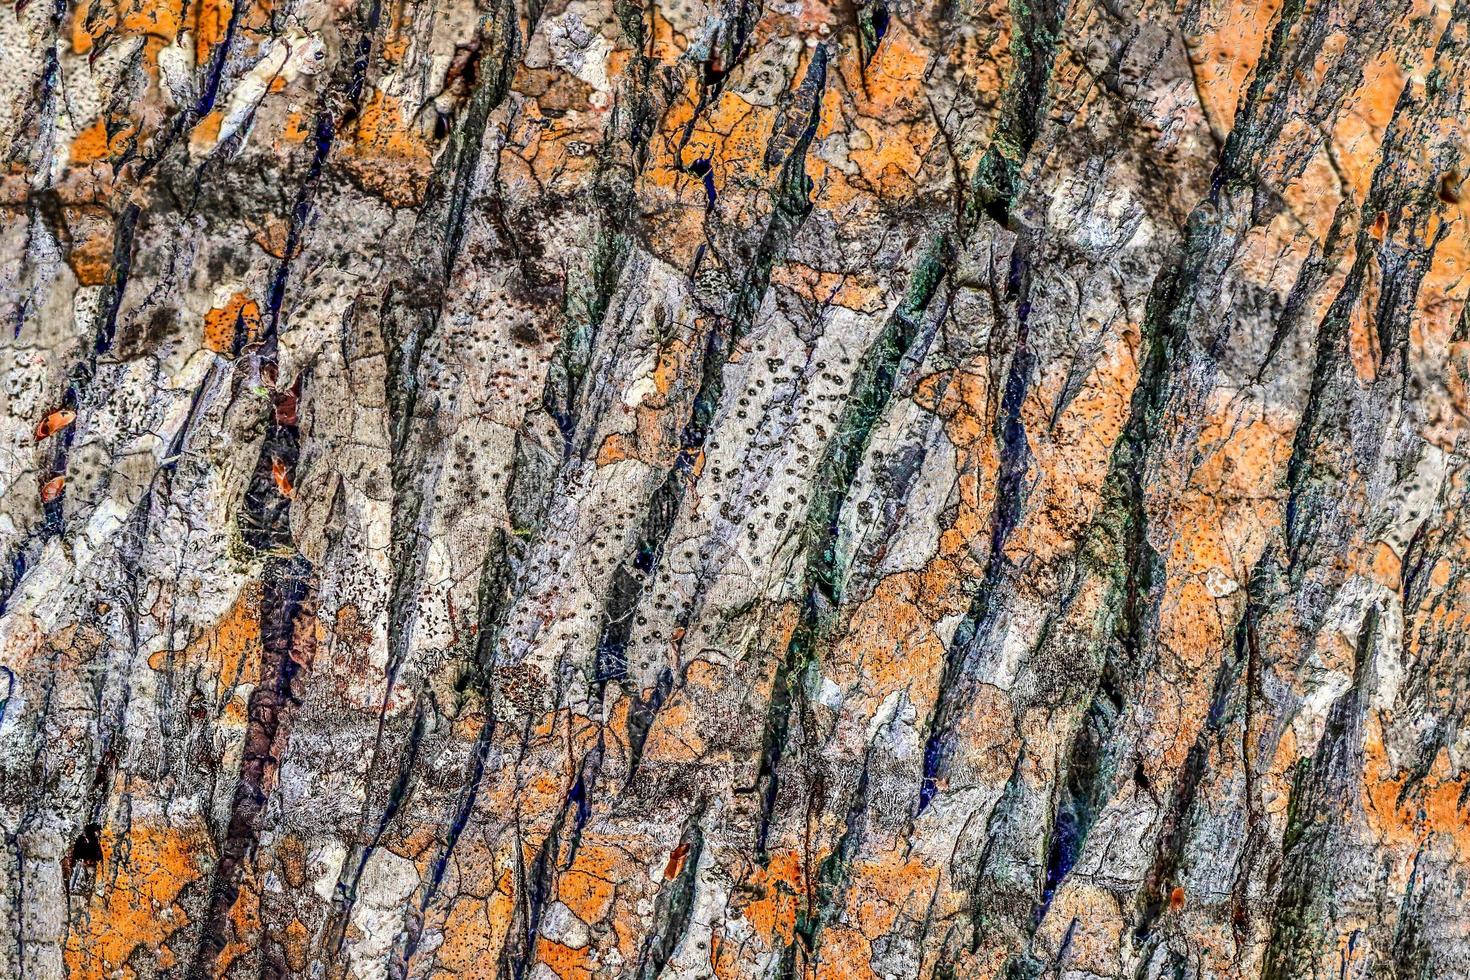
(552, 489)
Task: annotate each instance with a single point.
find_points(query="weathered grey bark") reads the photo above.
(742, 489)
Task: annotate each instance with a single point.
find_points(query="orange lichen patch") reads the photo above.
(673, 202)
(295, 945)
(564, 961)
(587, 886)
(388, 156)
(1073, 442)
(677, 733)
(394, 48)
(106, 138)
(1381, 564)
(90, 144)
(149, 18)
(655, 439)
(617, 447)
(470, 940)
(860, 293)
(211, 19)
(231, 651)
(205, 134)
(1358, 135)
(846, 954)
(244, 919)
(1220, 519)
(135, 914)
(158, 18)
(1225, 53)
(881, 115)
(233, 326)
(891, 643)
(90, 250)
(271, 236)
(666, 43)
(774, 897)
(1401, 815)
(960, 399)
(1443, 290)
(732, 134)
(295, 130)
(884, 887)
(236, 712)
(1084, 926)
(88, 24)
(888, 149)
(724, 958)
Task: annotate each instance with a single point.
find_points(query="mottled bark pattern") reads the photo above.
(554, 489)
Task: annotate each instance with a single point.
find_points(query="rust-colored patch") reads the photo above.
(54, 423)
(234, 326)
(676, 861)
(51, 489)
(282, 479)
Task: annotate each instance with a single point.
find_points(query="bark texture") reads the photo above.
(554, 489)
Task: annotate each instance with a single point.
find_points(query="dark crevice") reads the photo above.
(287, 636)
(835, 872)
(1323, 788)
(727, 48)
(88, 845)
(536, 885)
(1035, 33)
(1173, 837)
(567, 374)
(873, 22)
(872, 390)
(674, 906)
(631, 578)
(1012, 487)
(410, 319)
(641, 716)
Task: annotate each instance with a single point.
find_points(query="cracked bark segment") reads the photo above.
(593, 488)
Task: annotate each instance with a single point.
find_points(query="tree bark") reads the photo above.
(578, 488)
